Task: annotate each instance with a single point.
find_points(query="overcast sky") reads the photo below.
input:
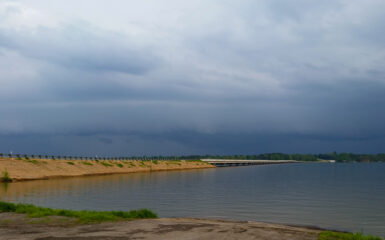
(192, 77)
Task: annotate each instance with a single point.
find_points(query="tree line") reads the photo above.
(338, 157)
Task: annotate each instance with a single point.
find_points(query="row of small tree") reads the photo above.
(139, 158)
(339, 157)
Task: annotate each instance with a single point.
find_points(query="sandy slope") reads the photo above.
(16, 226)
(48, 168)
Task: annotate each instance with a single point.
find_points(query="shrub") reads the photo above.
(5, 177)
(119, 165)
(71, 163)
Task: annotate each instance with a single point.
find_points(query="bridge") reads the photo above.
(239, 162)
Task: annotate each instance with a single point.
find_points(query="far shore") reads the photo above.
(35, 169)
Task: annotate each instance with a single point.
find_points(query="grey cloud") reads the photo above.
(81, 46)
(274, 76)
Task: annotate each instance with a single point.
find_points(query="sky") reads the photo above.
(122, 77)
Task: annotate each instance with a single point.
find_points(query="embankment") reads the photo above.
(33, 169)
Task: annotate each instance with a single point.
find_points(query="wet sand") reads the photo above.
(33, 169)
(18, 227)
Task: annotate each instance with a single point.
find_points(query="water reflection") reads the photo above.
(4, 187)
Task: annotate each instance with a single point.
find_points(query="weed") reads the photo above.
(71, 163)
(87, 163)
(141, 163)
(119, 165)
(83, 216)
(155, 161)
(327, 235)
(106, 164)
(34, 161)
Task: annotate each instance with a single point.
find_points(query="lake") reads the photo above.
(342, 196)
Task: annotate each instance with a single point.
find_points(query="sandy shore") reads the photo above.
(18, 227)
(32, 169)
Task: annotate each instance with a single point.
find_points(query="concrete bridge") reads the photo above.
(238, 162)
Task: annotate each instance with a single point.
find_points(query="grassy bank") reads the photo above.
(327, 235)
(82, 216)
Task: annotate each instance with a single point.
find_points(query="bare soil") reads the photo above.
(18, 227)
(32, 169)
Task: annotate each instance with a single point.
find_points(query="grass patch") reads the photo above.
(177, 162)
(119, 165)
(34, 161)
(87, 163)
(327, 235)
(71, 163)
(106, 164)
(82, 216)
(5, 177)
(155, 161)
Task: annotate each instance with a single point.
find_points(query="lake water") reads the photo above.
(346, 196)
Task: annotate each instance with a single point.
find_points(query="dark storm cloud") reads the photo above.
(245, 77)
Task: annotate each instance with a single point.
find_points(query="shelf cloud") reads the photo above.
(195, 77)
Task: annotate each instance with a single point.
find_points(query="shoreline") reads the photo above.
(44, 169)
(18, 226)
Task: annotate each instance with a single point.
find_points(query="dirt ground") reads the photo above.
(31, 169)
(18, 227)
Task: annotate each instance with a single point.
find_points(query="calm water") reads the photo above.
(339, 196)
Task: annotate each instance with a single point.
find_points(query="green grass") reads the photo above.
(327, 235)
(155, 161)
(71, 163)
(87, 163)
(119, 165)
(82, 216)
(5, 177)
(34, 161)
(106, 164)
